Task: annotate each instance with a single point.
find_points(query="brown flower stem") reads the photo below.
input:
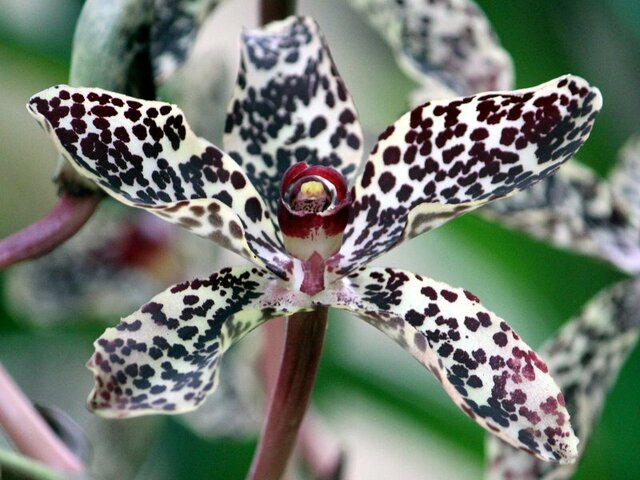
(290, 397)
(271, 10)
(62, 222)
(29, 432)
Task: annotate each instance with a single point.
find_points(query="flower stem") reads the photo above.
(271, 10)
(24, 467)
(62, 222)
(291, 395)
(29, 432)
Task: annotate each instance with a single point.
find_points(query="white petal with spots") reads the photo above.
(492, 375)
(584, 358)
(165, 357)
(144, 154)
(290, 105)
(450, 156)
(448, 40)
(625, 177)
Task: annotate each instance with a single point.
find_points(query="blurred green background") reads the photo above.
(390, 414)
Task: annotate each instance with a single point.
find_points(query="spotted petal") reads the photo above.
(448, 40)
(114, 42)
(577, 210)
(448, 157)
(482, 364)
(584, 358)
(173, 32)
(165, 357)
(625, 177)
(144, 154)
(290, 105)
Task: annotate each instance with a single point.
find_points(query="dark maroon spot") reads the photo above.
(449, 295)
(367, 175)
(429, 292)
(317, 125)
(253, 209)
(237, 180)
(104, 111)
(471, 323)
(386, 182)
(500, 339)
(391, 155)
(414, 318)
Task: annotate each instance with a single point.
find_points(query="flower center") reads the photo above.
(313, 212)
(311, 196)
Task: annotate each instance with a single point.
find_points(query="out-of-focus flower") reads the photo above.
(294, 131)
(109, 267)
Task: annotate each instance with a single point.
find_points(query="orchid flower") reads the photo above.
(293, 145)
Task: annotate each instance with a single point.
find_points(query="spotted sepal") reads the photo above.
(584, 358)
(173, 32)
(290, 105)
(144, 154)
(625, 177)
(447, 157)
(577, 210)
(165, 357)
(448, 40)
(482, 364)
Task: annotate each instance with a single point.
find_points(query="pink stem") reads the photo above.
(62, 222)
(29, 432)
(271, 356)
(290, 398)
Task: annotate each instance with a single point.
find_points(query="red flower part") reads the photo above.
(313, 210)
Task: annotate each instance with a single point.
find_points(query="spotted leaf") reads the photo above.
(577, 210)
(584, 358)
(482, 364)
(165, 357)
(290, 105)
(450, 41)
(448, 157)
(144, 154)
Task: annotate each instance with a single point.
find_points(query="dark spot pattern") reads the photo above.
(584, 359)
(450, 173)
(457, 339)
(173, 31)
(144, 154)
(301, 111)
(165, 357)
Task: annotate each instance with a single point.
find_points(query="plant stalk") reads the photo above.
(29, 432)
(62, 222)
(271, 10)
(290, 397)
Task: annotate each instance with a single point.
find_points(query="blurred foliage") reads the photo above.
(534, 286)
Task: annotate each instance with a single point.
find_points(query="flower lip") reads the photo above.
(313, 210)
